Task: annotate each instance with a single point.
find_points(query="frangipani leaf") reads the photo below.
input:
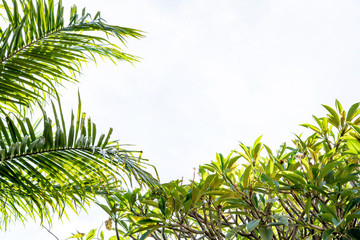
(252, 225)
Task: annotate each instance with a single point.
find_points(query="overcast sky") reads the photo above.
(214, 73)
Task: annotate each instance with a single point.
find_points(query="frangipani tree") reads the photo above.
(45, 165)
(309, 190)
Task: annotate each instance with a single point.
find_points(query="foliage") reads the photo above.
(44, 171)
(306, 191)
(94, 234)
(38, 51)
(57, 167)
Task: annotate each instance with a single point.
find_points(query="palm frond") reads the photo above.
(42, 173)
(38, 51)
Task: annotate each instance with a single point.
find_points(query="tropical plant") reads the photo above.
(44, 171)
(309, 190)
(38, 51)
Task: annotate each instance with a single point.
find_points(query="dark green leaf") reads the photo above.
(266, 233)
(252, 225)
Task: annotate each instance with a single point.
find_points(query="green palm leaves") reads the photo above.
(38, 51)
(43, 171)
(56, 168)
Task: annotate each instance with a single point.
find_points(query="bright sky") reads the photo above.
(214, 73)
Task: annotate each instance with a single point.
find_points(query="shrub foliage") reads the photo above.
(308, 190)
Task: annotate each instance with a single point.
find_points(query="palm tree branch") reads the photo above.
(49, 171)
(28, 45)
(38, 52)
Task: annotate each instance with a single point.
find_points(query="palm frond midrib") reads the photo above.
(90, 149)
(30, 44)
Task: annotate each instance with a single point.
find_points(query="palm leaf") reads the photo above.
(43, 173)
(38, 51)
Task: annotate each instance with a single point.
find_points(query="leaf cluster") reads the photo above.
(39, 51)
(57, 167)
(46, 166)
(309, 190)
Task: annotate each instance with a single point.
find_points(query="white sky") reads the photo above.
(214, 73)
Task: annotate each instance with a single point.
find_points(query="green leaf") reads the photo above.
(246, 175)
(293, 177)
(311, 127)
(78, 235)
(105, 208)
(91, 234)
(252, 225)
(148, 228)
(338, 105)
(352, 111)
(326, 169)
(107, 138)
(337, 222)
(162, 205)
(351, 217)
(353, 145)
(232, 232)
(266, 233)
(145, 221)
(328, 210)
(307, 206)
(354, 233)
(333, 117)
(327, 233)
(281, 219)
(351, 204)
(146, 234)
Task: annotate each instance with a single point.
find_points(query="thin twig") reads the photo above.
(50, 232)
